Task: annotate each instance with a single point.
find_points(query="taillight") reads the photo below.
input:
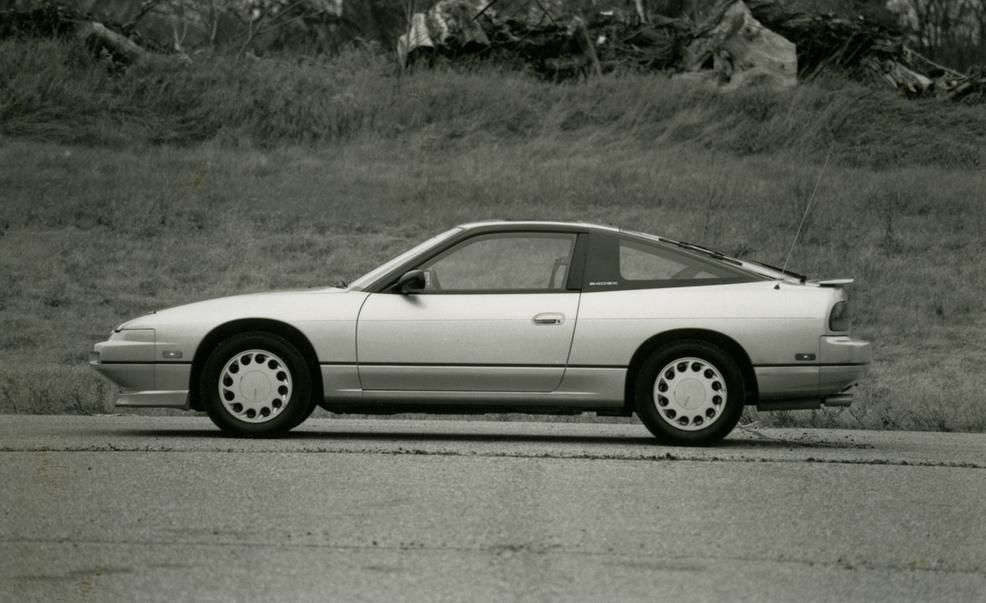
(839, 318)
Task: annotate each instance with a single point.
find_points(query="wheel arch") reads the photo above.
(655, 342)
(228, 329)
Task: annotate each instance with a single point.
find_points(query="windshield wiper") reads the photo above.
(341, 284)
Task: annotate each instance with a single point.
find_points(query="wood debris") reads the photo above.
(741, 42)
(106, 39)
(743, 51)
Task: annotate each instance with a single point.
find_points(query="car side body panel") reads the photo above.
(770, 324)
(326, 316)
(777, 325)
(150, 357)
(466, 342)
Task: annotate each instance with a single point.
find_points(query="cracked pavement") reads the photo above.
(165, 508)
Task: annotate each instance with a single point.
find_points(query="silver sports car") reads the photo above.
(533, 317)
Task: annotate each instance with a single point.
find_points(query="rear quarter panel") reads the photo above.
(771, 324)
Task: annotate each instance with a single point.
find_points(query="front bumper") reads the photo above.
(127, 360)
(842, 362)
(148, 385)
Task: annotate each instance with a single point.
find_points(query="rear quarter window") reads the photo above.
(623, 263)
(639, 263)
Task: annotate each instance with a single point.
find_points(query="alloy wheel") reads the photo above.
(255, 386)
(690, 394)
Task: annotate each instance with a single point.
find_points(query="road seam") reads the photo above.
(519, 455)
(508, 549)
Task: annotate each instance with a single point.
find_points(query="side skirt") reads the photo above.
(582, 389)
(394, 409)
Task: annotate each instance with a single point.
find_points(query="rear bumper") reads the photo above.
(844, 350)
(842, 362)
(146, 385)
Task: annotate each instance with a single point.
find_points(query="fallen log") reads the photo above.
(106, 39)
(123, 49)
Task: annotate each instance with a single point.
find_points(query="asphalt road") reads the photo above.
(165, 509)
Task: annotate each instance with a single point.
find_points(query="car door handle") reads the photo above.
(549, 318)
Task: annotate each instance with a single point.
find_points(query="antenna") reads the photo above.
(804, 216)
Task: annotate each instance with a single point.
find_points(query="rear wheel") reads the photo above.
(256, 384)
(690, 392)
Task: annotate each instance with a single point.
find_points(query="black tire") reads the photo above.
(289, 413)
(313, 404)
(660, 419)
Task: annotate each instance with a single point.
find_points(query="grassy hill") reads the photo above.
(120, 194)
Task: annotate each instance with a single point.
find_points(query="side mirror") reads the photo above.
(413, 280)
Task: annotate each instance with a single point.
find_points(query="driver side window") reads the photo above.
(503, 262)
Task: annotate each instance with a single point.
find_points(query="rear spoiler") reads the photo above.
(833, 282)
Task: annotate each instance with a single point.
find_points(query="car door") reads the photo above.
(496, 314)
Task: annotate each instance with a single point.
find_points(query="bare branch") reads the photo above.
(145, 7)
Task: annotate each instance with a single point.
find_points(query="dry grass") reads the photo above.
(98, 225)
(95, 236)
(53, 92)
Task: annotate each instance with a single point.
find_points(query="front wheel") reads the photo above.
(690, 392)
(256, 384)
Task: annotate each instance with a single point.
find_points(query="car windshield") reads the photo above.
(371, 276)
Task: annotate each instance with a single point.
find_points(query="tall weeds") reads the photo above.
(53, 91)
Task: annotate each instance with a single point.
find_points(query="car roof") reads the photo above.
(538, 225)
(552, 226)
